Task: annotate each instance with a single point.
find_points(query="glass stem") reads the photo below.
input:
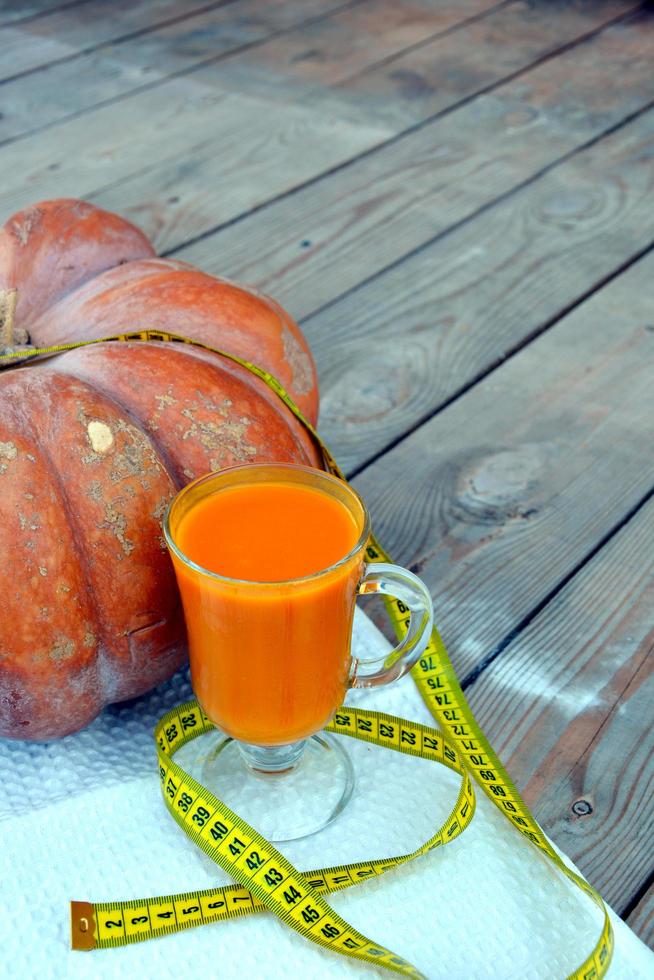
(271, 760)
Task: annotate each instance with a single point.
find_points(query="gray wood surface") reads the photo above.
(496, 499)
(567, 703)
(313, 245)
(479, 292)
(12, 12)
(409, 86)
(455, 197)
(88, 152)
(132, 57)
(44, 40)
(641, 919)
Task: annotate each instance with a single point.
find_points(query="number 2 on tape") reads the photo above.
(266, 879)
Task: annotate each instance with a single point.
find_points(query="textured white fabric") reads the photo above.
(83, 818)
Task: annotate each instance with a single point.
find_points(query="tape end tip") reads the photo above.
(82, 926)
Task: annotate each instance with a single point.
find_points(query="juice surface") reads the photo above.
(267, 532)
(270, 657)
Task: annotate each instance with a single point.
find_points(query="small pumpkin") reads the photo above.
(95, 442)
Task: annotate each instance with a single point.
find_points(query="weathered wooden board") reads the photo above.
(66, 89)
(422, 82)
(358, 53)
(500, 496)
(641, 919)
(20, 51)
(370, 32)
(10, 11)
(314, 245)
(85, 153)
(394, 350)
(64, 32)
(187, 43)
(568, 705)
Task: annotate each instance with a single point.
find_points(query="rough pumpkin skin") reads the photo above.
(49, 249)
(93, 445)
(82, 273)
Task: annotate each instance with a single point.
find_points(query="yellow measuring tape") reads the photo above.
(266, 879)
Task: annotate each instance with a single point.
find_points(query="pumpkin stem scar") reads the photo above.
(11, 337)
(8, 299)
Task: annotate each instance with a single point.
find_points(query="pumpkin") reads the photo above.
(96, 441)
(70, 271)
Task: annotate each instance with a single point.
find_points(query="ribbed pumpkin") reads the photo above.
(95, 442)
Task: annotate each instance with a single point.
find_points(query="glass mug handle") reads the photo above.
(382, 579)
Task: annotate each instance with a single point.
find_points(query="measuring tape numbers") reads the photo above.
(267, 879)
(460, 739)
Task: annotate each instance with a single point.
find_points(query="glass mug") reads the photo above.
(270, 659)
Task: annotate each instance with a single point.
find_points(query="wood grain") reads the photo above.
(100, 148)
(296, 64)
(499, 497)
(420, 83)
(641, 919)
(10, 11)
(324, 239)
(396, 349)
(156, 53)
(65, 32)
(568, 707)
(190, 210)
(21, 51)
(403, 88)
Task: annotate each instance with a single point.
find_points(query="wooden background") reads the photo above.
(456, 200)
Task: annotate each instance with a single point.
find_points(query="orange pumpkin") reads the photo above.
(95, 442)
(78, 273)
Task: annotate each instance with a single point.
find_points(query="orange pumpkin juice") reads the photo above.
(269, 638)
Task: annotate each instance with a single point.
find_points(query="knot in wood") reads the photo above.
(491, 488)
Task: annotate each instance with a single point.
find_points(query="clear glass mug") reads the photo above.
(271, 661)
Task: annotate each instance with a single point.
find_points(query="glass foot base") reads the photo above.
(282, 805)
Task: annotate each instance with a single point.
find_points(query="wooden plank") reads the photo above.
(394, 350)
(10, 11)
(641, 919)
(351, 41)
(112, 71)
(324, 239)
(419, 84)
(171, 209)
(66, 89)
(407, 87)
(109, 144)
(20, 51)
(69, 30)
(568, 707)
(499, 497)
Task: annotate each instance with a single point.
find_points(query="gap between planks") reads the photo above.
(203, 63)
(558, 710)
(474, 675)
(113, 40)
(197, 12)
(48, 8)
(523, 476)
(545, 425)
(506, 356)
(507, 260)
(404, 133)
(639, 914)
